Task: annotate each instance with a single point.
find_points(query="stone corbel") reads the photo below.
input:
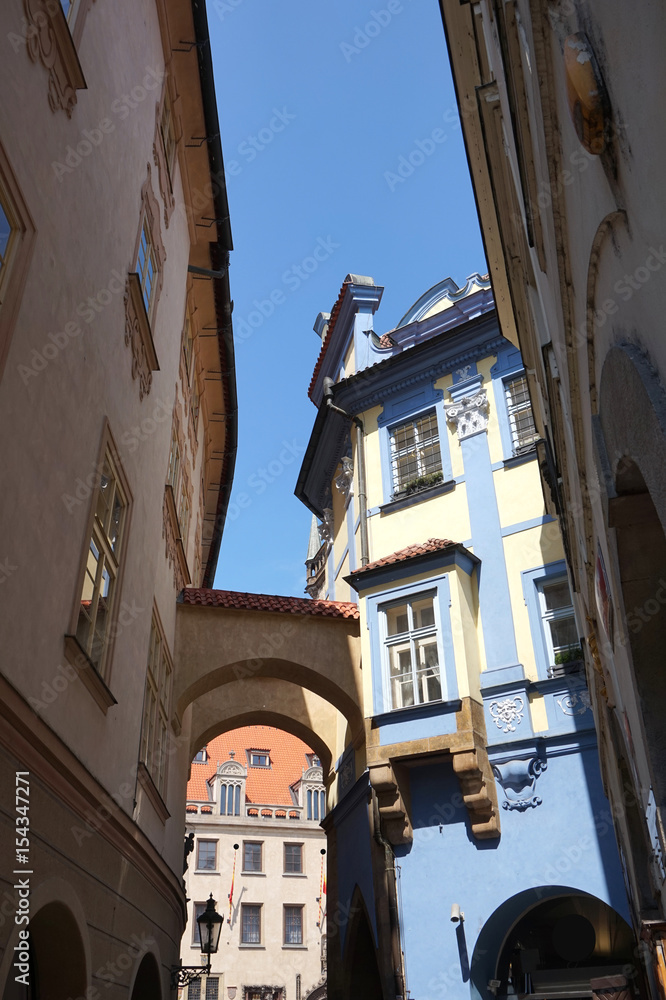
(479, 792)
(344, 481)
(395, 822)
(325, 529)
(469, 414)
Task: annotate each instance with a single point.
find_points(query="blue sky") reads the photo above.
(318, 102)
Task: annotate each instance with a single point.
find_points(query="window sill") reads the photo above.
(418, 711)
(253, 947)
(526, 456)
(262, 874)
(294, 947)
(294, 875)
(78, 658)
(419, 497)
(153, 795)
(205, 871)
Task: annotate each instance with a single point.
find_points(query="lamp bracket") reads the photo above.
(183, 975)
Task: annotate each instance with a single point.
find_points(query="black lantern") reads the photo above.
(210, 927)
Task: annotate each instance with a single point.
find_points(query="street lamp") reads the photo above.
(210, 927)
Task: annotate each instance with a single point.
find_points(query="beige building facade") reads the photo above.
(255, 802)
(117, 452)
(557, 107)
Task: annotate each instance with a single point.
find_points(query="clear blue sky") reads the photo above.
(315, 117)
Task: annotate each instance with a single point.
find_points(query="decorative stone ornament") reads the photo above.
(48, 40)
(469, 414)
(325, 529)
(575, 703)
(518, 779)
(588, 100)
(508, 713)
(344, 481)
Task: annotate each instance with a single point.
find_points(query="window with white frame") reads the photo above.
(230, 796)
(102, 566)
(146, 265)
(293, 925)
(250, 923)
(415, 452)
(156, 707)
(557, 618)
(316, 804)
(293, 859)
(411, 651)
(252, 851)
(197, 910)
(519, 409)
(207, 855)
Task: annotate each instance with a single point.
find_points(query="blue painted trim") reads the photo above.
(530, 578)
(414, 724)
(457, 556)
(489, 680)
(411, 403)
(342, 559)
(467, 387)
(494, 597)
(511, 463)
(413, 498)
(330, 596)
(534, 522)
(351, 532)
(381, 697)
(465, 372)
(509, 362)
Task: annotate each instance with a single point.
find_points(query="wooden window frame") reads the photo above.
(22, 242)
(154, 747)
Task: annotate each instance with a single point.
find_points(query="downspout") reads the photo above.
(397, 954)
(360, 451)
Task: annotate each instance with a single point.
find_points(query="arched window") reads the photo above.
(230, 801)
(322, 797)
(309, 804)
(237, 804)
(316, 804)
(223, 800)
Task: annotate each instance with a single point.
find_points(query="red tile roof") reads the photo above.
(265, 785)
(432, 545)
(335, 311)
(268, 602)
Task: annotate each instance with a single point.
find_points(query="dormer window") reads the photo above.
(259, 758)
(201, 757)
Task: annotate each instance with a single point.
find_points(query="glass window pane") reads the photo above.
(212, 988)
(237, 801)
(397, 620)
(197, 911)
(293, 859)
(223, 800)
(251, 926)
(423, 612)
(5, 233)
(563, 632)
(251, 857)
(293, 925)
(206, 855)
(557, 595)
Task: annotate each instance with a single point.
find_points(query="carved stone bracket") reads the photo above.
(48, 40)
(469, 414)
(479, 792)
(344, 481)
(138, 336)
(518, 779)
(325, 529)
(395, 822)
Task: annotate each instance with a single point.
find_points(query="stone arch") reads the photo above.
(265, 717)
(535, 919)
(56, 963)
(147, 985)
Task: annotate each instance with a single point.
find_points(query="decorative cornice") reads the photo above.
(138, 336)
(469, 414)
(48, 40)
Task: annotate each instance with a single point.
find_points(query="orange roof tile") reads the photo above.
(265, 785)
(329, 335)
(432, 545)
(268, 602)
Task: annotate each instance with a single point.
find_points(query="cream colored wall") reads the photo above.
(272, 964)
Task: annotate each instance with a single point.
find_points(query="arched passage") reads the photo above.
(147, 982)
(551, 938)
(54, 960)
(362, 977)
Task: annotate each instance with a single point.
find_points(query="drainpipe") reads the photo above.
(362, 498)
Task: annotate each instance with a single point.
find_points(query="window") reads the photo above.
(168, 135)
(557, 617)
(293, 925)
(251, 856)
(194, 990)
(184, 512)
(230, 800)
(146, 265)
(259, 759)
(174, 462)
(212, 988)
(195, 400)
(293, 858)
(102, 565)
(156, 708)
(250, 924)
(7, 236)
(415, 451)
(207, 855)
(188, 346)
(411, 651)
(521, 419)
(201, 757)
(197, 910)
